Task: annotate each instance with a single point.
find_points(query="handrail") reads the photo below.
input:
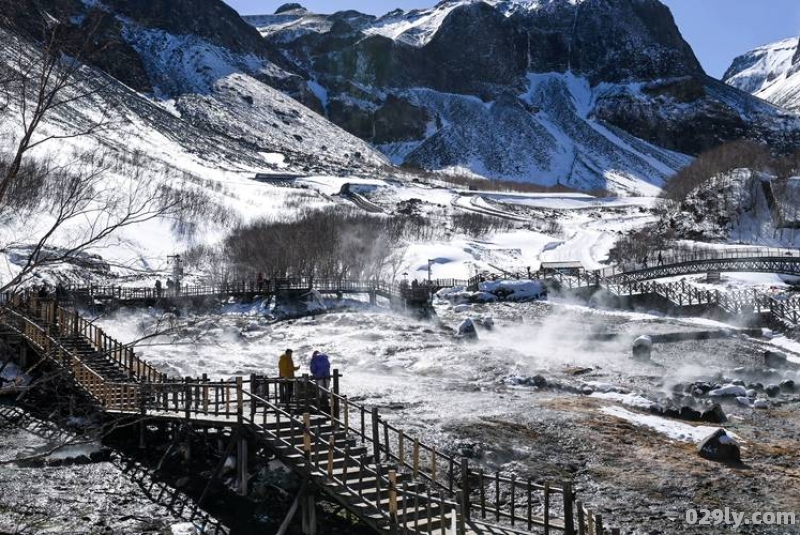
(69, 323)
(230, 400)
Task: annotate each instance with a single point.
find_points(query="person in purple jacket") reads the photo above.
(321, 369)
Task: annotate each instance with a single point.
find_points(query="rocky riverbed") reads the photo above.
(548, 391)
(74, 491)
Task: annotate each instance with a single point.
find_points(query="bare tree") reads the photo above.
(84, 196)
(40, 83)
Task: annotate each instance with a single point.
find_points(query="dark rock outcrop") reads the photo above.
(721, 447)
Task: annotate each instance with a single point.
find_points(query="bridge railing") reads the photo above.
(681, 255)
(320, 448)
(548, 506)
(58, 322)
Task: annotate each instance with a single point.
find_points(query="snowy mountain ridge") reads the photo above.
(770, 72)
(590, 94)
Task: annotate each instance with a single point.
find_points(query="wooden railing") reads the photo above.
(557, 509)
(54, 322)
(451, 489)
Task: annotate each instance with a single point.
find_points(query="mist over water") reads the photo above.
(394, 357)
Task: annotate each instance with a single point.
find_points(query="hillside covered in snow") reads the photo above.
(770, 72)
(741, 206)
(590, 94)
(208, 84)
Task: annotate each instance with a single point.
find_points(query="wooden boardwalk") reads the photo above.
(343, 451)
(87, 296)
(637, 280)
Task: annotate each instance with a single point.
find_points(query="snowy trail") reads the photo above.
(479, 205)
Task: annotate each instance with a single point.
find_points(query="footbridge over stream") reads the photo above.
(281, 290)
(344, 452)
(642, 278)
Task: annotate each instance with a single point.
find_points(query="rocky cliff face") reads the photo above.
(585, 93)
(770, 72)
(589, 93)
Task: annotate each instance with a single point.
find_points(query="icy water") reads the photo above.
(480, 395)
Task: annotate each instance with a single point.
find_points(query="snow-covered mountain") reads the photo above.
(593, 94)
(198, 61)
(770, 72)
(587, 93)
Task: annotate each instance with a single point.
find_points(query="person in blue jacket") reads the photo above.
(321, 369)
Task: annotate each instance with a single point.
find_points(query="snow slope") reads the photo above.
(145, 141)
(546, 136)
(770, 72)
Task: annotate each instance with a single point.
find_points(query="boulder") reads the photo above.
(714, 415)
(773, 390)
(743, 401)
(704, 388)
(761, 403)
(538, 381)
(467, 331)
(774, 359)
(787, 385)
(690, 414)
(729, 390)
(642, 347)
(721, 447)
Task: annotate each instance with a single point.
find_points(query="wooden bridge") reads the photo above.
(343, 451)
(249, 290)
(636, 279)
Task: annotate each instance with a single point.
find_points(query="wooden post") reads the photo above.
(331, 451)
(547, 508)
(376, 439)
(239, 400)
(460, 523)
(416, 458)
(143, 394)
(335, 405)
(401, 454)
(465, 487)
(187, 399)
(530, 504)
(569, 521)
(306, 390)
(598, 524)
(243, 476)
(346, 416)
(386, 441)
(433, 465)
(252, 398)
(581, 519)
(513, 500)
(205, 393)
(307, 433)
(392, 495)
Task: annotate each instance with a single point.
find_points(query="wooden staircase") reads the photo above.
(386, 478)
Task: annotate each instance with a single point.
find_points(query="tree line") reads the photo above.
(741, 154)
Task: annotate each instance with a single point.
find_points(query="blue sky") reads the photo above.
(718, 30)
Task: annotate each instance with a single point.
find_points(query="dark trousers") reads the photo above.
(287, 391)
